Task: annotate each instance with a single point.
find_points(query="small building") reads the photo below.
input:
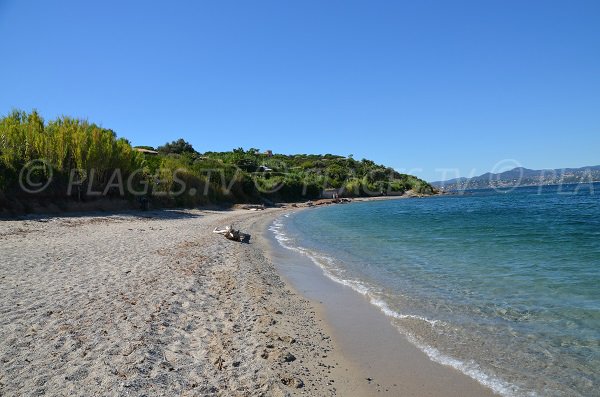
(146, 151)
(269, 153)
(331, 193)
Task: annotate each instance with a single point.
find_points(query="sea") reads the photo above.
(501, 284)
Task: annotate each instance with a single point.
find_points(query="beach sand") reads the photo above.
(154, 303)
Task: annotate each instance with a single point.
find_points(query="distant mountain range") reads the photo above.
(522, 177)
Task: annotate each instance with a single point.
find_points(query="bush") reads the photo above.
(69, 145)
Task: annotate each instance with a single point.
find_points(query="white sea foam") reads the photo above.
(332, 271)
(385, 309)
(470, 369)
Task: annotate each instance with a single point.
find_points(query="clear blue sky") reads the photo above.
(417, 85)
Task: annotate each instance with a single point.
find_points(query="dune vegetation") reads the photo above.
(73, 159)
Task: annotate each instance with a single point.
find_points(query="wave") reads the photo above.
(333, 271)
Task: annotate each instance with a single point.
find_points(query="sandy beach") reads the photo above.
(153, 303)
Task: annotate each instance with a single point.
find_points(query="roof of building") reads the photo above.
(147, 151)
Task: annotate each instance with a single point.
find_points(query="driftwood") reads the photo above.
(231, 234)
(254, 207)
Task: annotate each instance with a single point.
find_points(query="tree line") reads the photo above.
(85, 159)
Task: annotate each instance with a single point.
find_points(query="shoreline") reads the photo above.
(105, 206)
(153, 302)
(365, 335)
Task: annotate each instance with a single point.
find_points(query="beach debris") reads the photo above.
(254, 207)
(219, 363)
(231, 234)
(293, 382)
(287, 339)
(287, 357)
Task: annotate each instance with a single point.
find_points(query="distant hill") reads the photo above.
(522, 177)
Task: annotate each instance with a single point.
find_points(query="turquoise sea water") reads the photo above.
(504, 286)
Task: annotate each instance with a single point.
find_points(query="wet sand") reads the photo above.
(156, 304)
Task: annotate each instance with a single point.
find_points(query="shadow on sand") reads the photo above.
(158, 214)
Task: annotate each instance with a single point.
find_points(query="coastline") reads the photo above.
(155, 303)
(365, 336)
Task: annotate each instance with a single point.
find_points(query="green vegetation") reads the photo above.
(64, 144)
(85, 161)
(177, 147)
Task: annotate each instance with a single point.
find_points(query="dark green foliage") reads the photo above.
(178, 175)
(177, 147)
(295, 177)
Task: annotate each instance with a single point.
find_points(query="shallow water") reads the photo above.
(503, 286)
